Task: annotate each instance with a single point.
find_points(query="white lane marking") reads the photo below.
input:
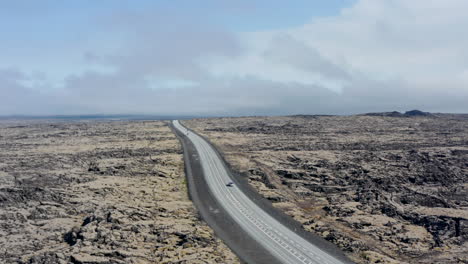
(237, 203)
(254, 220)
(286, 258)
(231, 197)
(257, 222)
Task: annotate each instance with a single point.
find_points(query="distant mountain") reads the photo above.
(417, 113)
(392, 114)
(398, 114)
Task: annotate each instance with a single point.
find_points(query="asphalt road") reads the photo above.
(285, 245)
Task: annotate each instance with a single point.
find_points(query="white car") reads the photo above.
(230, 184)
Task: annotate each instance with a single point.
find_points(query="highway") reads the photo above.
(281, 242)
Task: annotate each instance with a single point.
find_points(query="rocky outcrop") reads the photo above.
(384, 189)
(98, 192)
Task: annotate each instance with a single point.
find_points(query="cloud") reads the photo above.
(287, 50)
(376, 55)
(380, 55)
(404, 38)
(19, 99)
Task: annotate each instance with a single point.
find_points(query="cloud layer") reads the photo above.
(376, 55)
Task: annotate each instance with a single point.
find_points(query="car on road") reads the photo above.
(230, 184)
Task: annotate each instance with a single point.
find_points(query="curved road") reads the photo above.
(281, 242)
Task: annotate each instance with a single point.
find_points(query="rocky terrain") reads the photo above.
(386, 188)
(96, 193)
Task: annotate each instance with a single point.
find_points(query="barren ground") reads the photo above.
(384, 189)
(98, 192)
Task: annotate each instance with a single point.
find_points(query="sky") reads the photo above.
(232, 58)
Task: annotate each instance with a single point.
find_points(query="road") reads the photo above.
(281, 242)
